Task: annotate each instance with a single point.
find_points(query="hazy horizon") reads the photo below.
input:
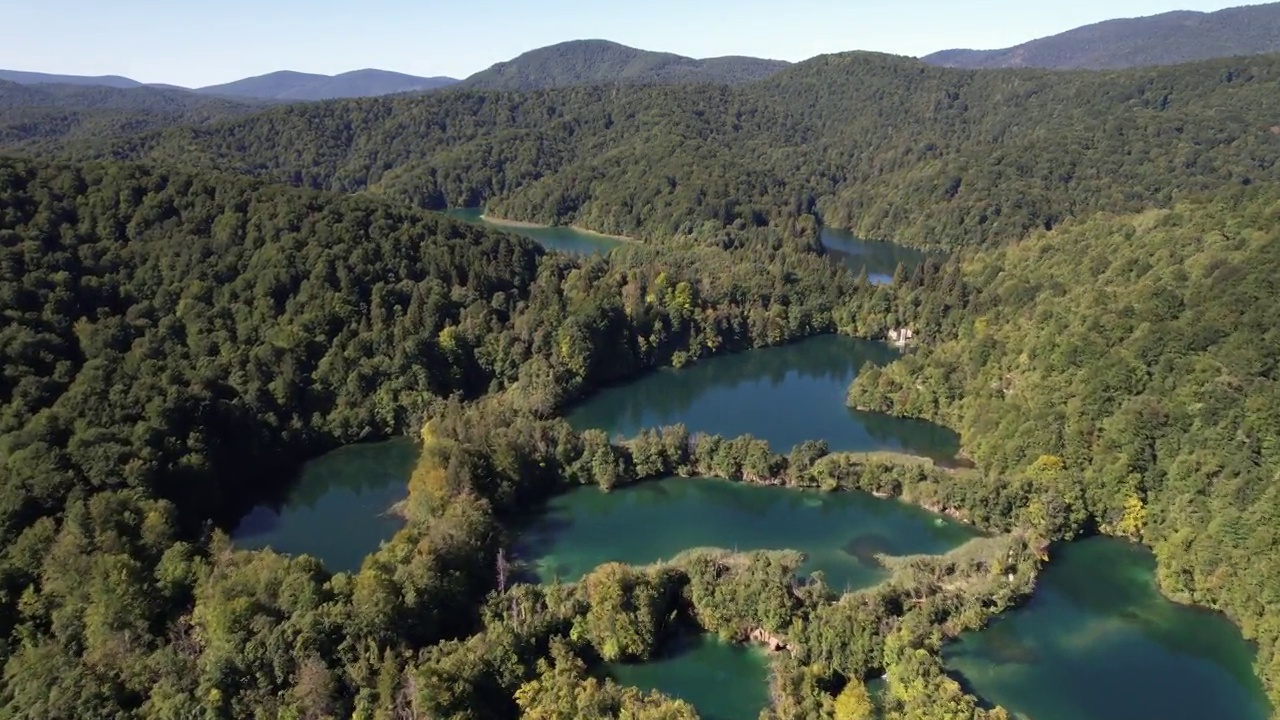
(200, 46)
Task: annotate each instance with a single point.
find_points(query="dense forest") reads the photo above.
(887, 146)
(191, 310)
(174, 344)
(1142, 352)
(32, 116)
(600, 62)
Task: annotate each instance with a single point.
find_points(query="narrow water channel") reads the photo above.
(879, 259)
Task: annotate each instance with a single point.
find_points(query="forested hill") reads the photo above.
(284, 85)
(174, 344)
(296, 86)
(34, 78)
(40, 113)
(1168, 38)
(600, 62)
(887, 146)
(1141, 352)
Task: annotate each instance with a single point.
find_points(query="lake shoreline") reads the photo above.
(500, 222)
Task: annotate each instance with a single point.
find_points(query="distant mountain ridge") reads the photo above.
(43, 112)
(573, 63)
(595, 62)
(284, 85)
(1165, 39)
(33, 78)
(290, 85)
(1168, 38)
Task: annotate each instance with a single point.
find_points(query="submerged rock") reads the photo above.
(866, 547)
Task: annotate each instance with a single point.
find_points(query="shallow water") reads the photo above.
(839, 533)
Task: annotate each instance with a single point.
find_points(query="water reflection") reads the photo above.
(879, 259)
(722, 681)
(337, 509)
(785, 395)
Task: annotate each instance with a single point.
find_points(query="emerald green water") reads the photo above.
(562, 239)
(839, 533)
(785, 395)
(723, 681)
(337, 509)
(1097, 641)
(879, 259)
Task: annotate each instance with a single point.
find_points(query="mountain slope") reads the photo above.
(44, 113)
(33, 78)
(1141, 354)
(372, 83)
(883, 145)
(1165, 39)
(595, 62)
(290, 85)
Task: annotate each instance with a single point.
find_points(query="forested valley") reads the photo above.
(190, 312)
(886, 146)
(37, 118)
(174, 343)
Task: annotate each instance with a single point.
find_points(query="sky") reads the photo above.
(200, 42)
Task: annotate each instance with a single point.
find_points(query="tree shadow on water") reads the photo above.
(259, 521)
(538, 538)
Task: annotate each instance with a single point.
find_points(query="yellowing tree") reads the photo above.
(1134, 518)
(854, 702)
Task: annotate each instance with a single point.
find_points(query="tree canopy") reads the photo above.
(886, 146)
(179, 334)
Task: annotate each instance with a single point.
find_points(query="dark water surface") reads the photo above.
(880, 259)
(723, 681)
(337, 510)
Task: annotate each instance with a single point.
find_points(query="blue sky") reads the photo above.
(200, 42)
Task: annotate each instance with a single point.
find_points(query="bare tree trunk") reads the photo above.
(503, 568)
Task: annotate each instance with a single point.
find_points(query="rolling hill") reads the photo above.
(1165, 39)
(34, 78)
(884, 145)
(285, 85)
(289, 85)
(596, 62)
(46, 113)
